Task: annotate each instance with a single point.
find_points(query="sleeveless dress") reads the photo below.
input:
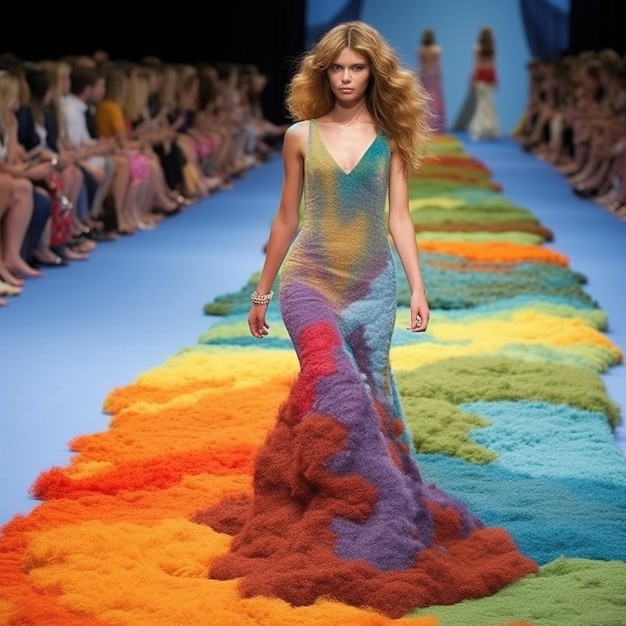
(484, 123)
(431, 76)
(339, 507)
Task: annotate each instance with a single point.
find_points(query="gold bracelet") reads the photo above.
(257, 298)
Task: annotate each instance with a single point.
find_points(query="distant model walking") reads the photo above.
(484, 123)
(429, 72)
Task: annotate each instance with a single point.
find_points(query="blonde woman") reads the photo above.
(209, 122)
(339, 509)
(27, 224)
(148, 132)
(179, 97)
(15, 194)
(10, 284)
(111, 122)
(263, 134)
(38, 134)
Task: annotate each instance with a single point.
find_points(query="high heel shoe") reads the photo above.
(182, 201)
(583, 191)
(167, 212)
(67, 253)
(616, 207)
(9, 290)
(607, 199)
(53, 260)
(146, 226)
(80, 233)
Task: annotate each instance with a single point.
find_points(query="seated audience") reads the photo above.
(92, 148)
(575, 119)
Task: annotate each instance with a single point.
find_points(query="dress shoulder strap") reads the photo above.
(313, 132)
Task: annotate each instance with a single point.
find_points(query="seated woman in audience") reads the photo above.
(614, 196)
(29, 214)
(166, 146)
(230, 113)
(37, 135)
(54, 246)
(599, 128)
(179, 96)
(148, 188)
(212, 121)
(546, 132)
(605, 185)
(610, 190)
(265, 134)
(531, 130)
(111, 123)
(10, 285)
(26, 219)
(58, 73)
(149, 132)
(8, 281)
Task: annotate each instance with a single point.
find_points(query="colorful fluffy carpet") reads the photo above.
(514, 420)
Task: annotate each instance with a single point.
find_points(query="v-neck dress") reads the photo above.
(339, 508)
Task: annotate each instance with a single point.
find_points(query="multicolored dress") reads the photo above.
(339, 507)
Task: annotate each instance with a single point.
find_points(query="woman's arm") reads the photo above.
(285, 223)
(402, 232)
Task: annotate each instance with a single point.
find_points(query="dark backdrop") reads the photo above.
(597, 24)
(268, 33)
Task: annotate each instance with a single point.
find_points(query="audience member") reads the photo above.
(112, 124)
(97, 156)
(23, 227)
(180, 93)
(147, 133)
(264, 134)
(37, 134)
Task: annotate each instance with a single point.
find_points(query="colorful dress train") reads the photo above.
(339, 508)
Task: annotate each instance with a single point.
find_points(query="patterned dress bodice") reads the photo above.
(343, 242)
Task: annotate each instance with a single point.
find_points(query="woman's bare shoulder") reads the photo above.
(297, 135)
(299, 128)
(297, 131)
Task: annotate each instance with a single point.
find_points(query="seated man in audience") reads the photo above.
(96, 156)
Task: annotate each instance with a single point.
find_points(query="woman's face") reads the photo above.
(349, 76)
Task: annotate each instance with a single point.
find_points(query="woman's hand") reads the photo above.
(420, 313)
(259, 328)
(66, 159)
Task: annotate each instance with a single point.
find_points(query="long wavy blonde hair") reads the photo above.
(9, 95)
(395, 98)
